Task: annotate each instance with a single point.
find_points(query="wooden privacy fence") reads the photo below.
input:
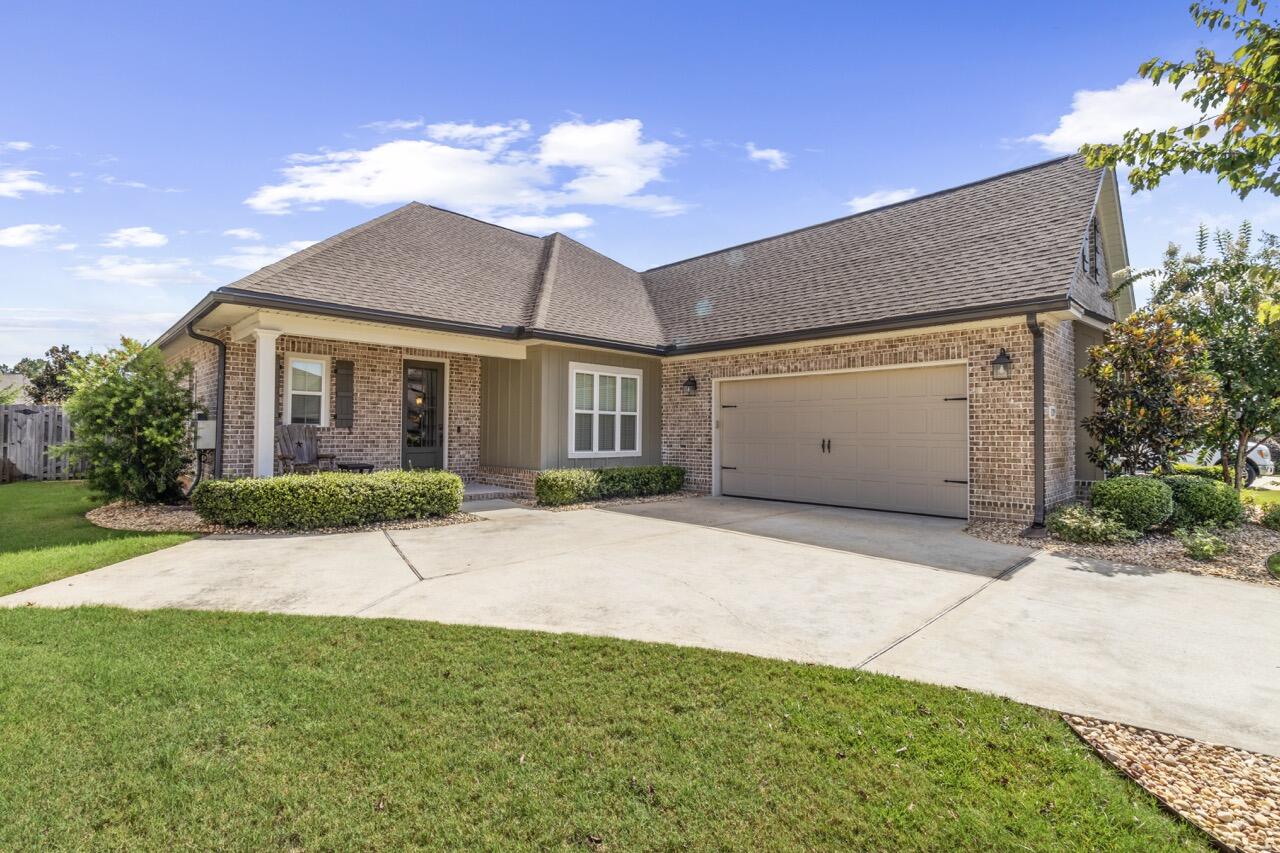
(29, 439)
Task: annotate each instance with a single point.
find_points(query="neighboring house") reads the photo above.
(9, 381)
(847, 363)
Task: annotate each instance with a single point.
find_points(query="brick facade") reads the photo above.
(1001, 429)
(375, 436)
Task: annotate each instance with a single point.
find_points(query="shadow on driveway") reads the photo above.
(939, 543)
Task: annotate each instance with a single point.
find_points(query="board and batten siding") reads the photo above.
(1086, 405)
(524, 414)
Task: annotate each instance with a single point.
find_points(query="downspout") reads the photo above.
(1037, 403)
(220, 394)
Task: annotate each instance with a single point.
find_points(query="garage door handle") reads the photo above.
(949, 399)
(961, 482)
(728, 467)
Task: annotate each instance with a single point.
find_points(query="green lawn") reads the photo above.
(44, 535)
(168, 730)
(1263, 496)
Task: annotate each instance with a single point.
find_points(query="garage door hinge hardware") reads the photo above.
(728, 467)
(949, 399)
(727, 406)
(962, 482)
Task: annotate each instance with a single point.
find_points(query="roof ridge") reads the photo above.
(546, 279)
(481, 221)
(884, 207)
(316, 248)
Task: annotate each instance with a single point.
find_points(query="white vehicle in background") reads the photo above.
(1257, 464)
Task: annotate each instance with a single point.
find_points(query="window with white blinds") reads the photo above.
(604, 411)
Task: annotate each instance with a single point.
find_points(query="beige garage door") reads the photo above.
(880, 439)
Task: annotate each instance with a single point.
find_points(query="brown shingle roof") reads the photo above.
(1008, 239)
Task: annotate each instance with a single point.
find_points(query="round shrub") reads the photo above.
(1140, 502)
(1199, 501)
(327, 499)
(1271, 517)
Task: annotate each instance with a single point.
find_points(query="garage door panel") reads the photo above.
(893, 439)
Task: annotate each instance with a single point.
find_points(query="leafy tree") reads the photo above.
(49, 377)
(1153, 393)
(1228, 301)
(10, 395)
(132, 414)
(1237, 136)
(28, 367)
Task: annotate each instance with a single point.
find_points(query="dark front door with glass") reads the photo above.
(423, 434)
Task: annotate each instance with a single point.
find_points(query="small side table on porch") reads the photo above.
(356, 467)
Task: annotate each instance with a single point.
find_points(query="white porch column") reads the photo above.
(264, 403)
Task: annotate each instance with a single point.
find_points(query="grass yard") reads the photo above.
(44, 535)
(168, 730)
(1262, 496)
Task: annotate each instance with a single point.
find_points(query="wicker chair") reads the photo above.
(297, 450)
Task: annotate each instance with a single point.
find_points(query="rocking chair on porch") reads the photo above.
(297, 450)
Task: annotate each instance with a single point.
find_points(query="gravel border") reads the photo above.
(1251, 545)
(1232, 794)
(608, 502)
(181, 518)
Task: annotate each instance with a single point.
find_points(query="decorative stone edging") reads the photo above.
(1232, 794)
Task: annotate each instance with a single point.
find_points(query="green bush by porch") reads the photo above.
(561, 486)
(310, 501)
(1140, 502)
(1199, 501)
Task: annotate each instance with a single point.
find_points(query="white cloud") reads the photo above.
(140, 237)
(546, 223)
(17, 236)
(1104, 115)
(66, 247)
(250, 258)
(122, 269)
(395, 124)
(113, 181)
(27, 331)
(479, 170)
(15, 182)
(242, 234)
(15, 145)
(880, 198)
(774, 158)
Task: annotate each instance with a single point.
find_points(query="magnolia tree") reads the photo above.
(1228, 300)
(1153, 393)
(132, 415)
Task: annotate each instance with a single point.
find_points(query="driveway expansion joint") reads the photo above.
(967, 597)
(407, 562)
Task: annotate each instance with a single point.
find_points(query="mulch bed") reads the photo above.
(1232, 794)
(181, 518)
(1251, 545)
(608, 502)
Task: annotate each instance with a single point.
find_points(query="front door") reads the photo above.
(423, 435)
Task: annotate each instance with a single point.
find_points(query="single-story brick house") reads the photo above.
(919, 357)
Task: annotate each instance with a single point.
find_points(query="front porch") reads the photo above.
(381, 395)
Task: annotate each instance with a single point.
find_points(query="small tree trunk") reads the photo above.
(1242, 449)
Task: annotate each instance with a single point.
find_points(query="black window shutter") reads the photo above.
(280, 389)
(344, 401)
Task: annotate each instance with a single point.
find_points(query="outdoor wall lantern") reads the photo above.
(690, 386)
(1001, 365)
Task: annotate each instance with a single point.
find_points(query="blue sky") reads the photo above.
(149, 153)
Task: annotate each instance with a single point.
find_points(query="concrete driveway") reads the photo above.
(904, 595)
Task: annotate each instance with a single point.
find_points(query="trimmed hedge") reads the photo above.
(561, 486)
(1271, 517)
(1199, 501)
(1140, 502)
(327, 499)
(1211, 472)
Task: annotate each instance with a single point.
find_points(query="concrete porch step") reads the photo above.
(486, 492)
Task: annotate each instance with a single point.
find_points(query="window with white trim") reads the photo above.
(604, 410)
(306, 398)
